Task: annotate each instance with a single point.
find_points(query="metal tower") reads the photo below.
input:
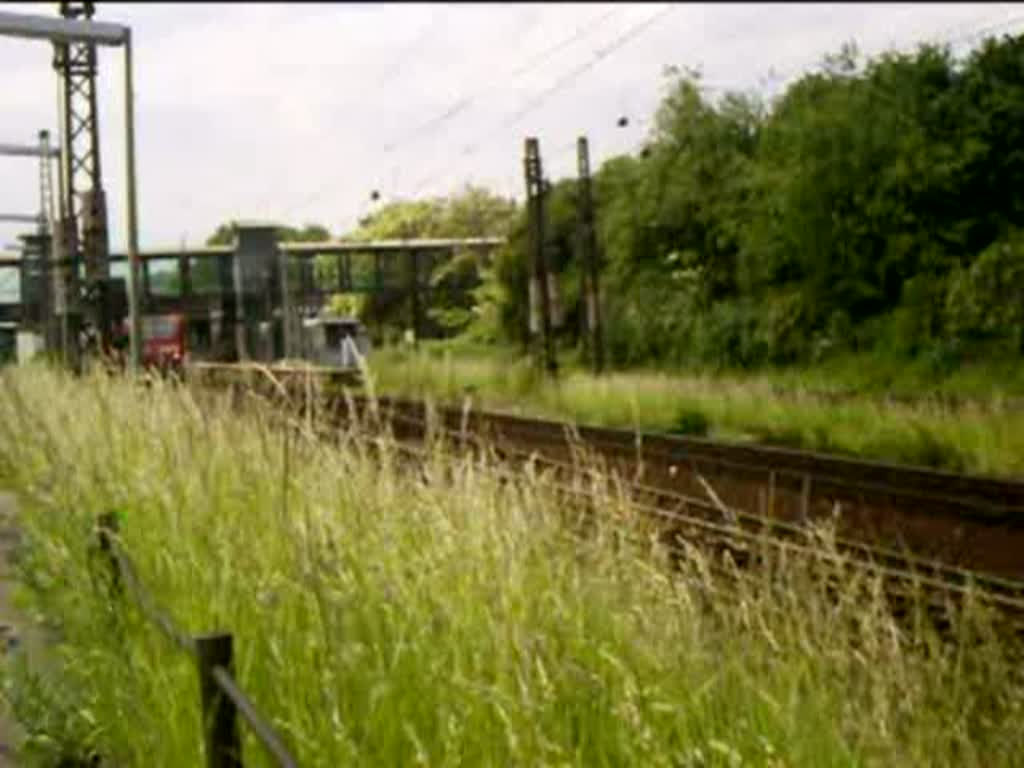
(84, 227)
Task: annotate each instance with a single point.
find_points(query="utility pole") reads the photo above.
(588, 249)
(539, 282)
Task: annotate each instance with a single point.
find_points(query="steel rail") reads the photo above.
(979, 494)
(554, 434)
(948, 576)
(1004, 595)
(725, 536)
(975, 493)
(741, 515)
(910, 566)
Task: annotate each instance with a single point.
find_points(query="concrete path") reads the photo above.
(9, 621)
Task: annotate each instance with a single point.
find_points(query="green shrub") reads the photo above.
(693, 422)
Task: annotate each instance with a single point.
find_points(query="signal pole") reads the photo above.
(539, 281)
(588, 249)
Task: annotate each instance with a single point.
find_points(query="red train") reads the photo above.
(164, 341)
(164, 344)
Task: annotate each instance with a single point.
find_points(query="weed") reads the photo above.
(389, 612)
(690, 421)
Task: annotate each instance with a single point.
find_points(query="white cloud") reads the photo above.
(265, 110)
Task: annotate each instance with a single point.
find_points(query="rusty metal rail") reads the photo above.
(968, 522)
(974, 523)
(906, 581)
(966, 494)
(652, 465)
(737, 524)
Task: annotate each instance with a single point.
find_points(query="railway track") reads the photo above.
(735, 495)
(972, 523)
(711, 521)
(738, 552)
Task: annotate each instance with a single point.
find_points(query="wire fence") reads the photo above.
(222, 700)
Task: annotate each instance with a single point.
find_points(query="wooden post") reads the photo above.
(221, 737)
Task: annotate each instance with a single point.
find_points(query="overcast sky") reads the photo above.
(296, 112)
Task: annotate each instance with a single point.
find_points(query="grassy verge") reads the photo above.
(985, 380)
(443, 616)
(983, 437)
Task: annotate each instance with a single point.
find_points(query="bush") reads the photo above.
(985, 301)
(691, 421)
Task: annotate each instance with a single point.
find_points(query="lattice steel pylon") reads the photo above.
(84, 227)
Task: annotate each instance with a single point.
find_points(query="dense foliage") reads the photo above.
(447, 298)
(874, 206)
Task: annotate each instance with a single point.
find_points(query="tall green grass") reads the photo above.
(983, 437)
(388, 613)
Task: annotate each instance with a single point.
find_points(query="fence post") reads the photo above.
(106, 527)
(220, 718)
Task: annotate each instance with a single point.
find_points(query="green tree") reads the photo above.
(473, 212)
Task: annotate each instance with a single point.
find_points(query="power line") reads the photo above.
(534, 102)
(461, 104)
(466, 101)
(578, 72)
(405, 55)
(566, 79)
(942, 38)
(401, 60)
(991, 28)
(471, 149)
(579, 33)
